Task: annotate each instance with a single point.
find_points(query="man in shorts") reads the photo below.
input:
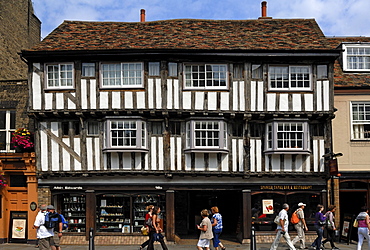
(43, 234)
(55, 240)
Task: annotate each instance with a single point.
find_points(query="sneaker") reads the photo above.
(322, 245)
(334, 248)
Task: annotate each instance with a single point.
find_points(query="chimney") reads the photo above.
(264, 11)
(142, 15)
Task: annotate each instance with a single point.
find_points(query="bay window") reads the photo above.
(206, 135)
(287, 137)
(360, 120)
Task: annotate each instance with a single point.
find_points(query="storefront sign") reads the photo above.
(67, 188)
(268, 206)
(347, 228)
(19, 229)
(285, 187)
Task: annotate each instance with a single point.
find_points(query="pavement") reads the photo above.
(282, 246)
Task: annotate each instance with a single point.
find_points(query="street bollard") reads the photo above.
(253, 239)
(91, 239)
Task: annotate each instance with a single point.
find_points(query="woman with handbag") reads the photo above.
(363, 227)
(330, 227)
(147, 216)
(319, 225)
(155, 231)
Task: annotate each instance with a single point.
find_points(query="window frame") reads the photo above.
(8, 130)
(271, 138)
(345, 55)
(360, 122)
(47, 86)
(121, 78)
(290, 88)
(205, 87)
(190, 137)
(141, 131)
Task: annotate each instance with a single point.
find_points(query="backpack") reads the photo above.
(64, 222)
(51, 221)
(294, 219)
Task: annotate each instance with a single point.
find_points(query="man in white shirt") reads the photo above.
(282, 229)
(43, 234)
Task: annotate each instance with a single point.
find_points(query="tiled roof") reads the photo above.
(345, 79)
(187, 34)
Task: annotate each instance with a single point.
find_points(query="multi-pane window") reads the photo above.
(126, 134)
(7, 127)
(356, 58)
(59, 75)
(290, 77)
(118, 75)
(361, 120)
(206, 134)
(204, 76)
(287, 137)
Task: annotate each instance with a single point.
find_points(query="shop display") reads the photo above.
(74, 212)
(140, 209)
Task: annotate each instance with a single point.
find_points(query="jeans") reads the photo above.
(216, 237)
(151, 242)
(363, 233)
(275, 244)
(317, 242)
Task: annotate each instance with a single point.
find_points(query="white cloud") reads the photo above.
(335, 17)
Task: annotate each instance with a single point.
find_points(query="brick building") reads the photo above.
(19, 29)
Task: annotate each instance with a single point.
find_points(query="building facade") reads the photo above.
(20, 29)
(351, 125)
(184, 114)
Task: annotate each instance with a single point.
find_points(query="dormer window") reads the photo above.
(356, 57)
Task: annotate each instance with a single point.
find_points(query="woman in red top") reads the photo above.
(147, 216)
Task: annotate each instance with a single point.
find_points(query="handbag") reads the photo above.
(144, 230)
(277, 220)
(355, 223)
(157, 236)
(329, 226)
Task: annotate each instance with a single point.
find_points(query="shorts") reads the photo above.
(204, 242)
(55, 241)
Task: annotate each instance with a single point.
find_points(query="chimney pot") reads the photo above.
(264, 8)
(142, 15)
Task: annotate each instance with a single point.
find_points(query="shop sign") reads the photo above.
(268, 206)
(286, 187)
(67, 188)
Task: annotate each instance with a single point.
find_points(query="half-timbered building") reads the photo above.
(185, 114)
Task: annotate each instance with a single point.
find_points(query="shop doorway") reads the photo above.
(189, 204)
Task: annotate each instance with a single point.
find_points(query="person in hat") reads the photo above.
(44, 235)
(301, 226)
(55, 240)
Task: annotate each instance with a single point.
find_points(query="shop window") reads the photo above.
(206, 135)
(113, 213)
(360, 120)
(140, 203)
(7, 127)
(17, 181)
(126, 134)
(287, 137)
(74, 210)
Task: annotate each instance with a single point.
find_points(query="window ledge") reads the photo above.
(288, 152)
(206, 150)
(123, 150)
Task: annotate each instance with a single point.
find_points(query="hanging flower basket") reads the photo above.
(2, 181)
(22, 139)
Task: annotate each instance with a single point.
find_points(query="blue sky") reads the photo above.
(335, 17)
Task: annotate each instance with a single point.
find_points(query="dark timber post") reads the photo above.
(246, 214)
(170, 215)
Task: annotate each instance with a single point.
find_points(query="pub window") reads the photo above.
(157, 128)
(92, 128)
(18, 181)
(154, 68)
(256, 71)
(172, 69)
(88, 69)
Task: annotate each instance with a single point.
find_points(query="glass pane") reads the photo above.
(88, 69)
(154, 68)
(2, 119)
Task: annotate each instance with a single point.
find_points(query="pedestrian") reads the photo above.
(55, 240)
(155, 231)
(43, 234)
(319, 226)
(330, 227)
(282, 229)
(301, 226)
(217, 228)
(205, 228)
(363, 227)
(147, 216)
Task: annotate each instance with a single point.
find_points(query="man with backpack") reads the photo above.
(55, 222)
(300, 225)
(44, 234)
